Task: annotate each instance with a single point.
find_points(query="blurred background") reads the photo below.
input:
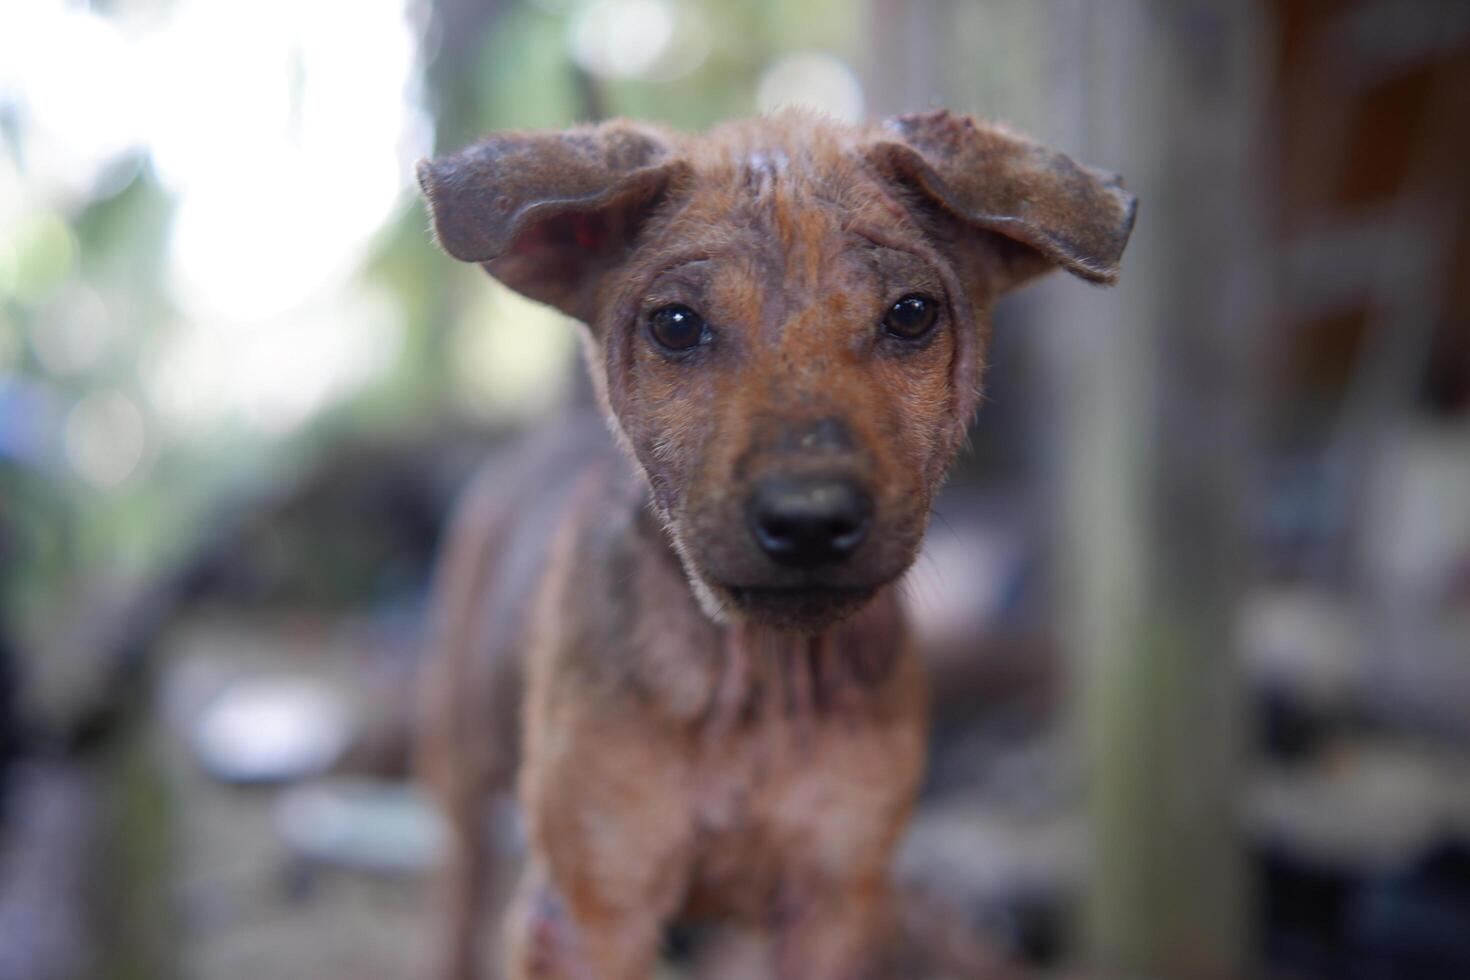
(1197, 598)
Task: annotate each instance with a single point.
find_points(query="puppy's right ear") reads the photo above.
(549, 213)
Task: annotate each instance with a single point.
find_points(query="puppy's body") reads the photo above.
(759, 776)
(684, 642)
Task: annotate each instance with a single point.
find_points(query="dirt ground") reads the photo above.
(246, 907)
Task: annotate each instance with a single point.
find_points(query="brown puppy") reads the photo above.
(689, 646)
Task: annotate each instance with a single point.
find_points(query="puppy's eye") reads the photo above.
(677, 327)
(911, 317)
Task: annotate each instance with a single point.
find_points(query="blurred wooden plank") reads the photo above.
(1159, 386)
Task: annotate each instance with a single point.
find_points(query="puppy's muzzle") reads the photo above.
(809, 522)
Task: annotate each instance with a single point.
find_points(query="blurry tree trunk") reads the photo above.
(900, 71)
(1154, 457)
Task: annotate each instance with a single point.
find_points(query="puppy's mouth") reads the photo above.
(805, 608)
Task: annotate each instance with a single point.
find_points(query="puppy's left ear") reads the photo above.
(1048, 210)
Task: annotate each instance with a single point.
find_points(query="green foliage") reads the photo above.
(111, 253)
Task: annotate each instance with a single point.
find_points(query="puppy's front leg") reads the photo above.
(611, 846)
(550, 937)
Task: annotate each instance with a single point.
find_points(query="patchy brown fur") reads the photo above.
(703, 730)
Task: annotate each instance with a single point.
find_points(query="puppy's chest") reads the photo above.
(780, 806)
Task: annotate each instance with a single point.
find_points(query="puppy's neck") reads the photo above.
(761, 674)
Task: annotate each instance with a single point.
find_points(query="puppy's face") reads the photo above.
(786, 322)
(791, 359)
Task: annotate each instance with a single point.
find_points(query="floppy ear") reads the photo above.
(547, 213)
(1049, 210)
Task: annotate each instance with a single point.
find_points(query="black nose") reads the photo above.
(810, 522)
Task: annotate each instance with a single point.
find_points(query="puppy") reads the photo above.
(683, 643)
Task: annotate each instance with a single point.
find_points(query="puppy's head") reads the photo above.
(786, 317)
